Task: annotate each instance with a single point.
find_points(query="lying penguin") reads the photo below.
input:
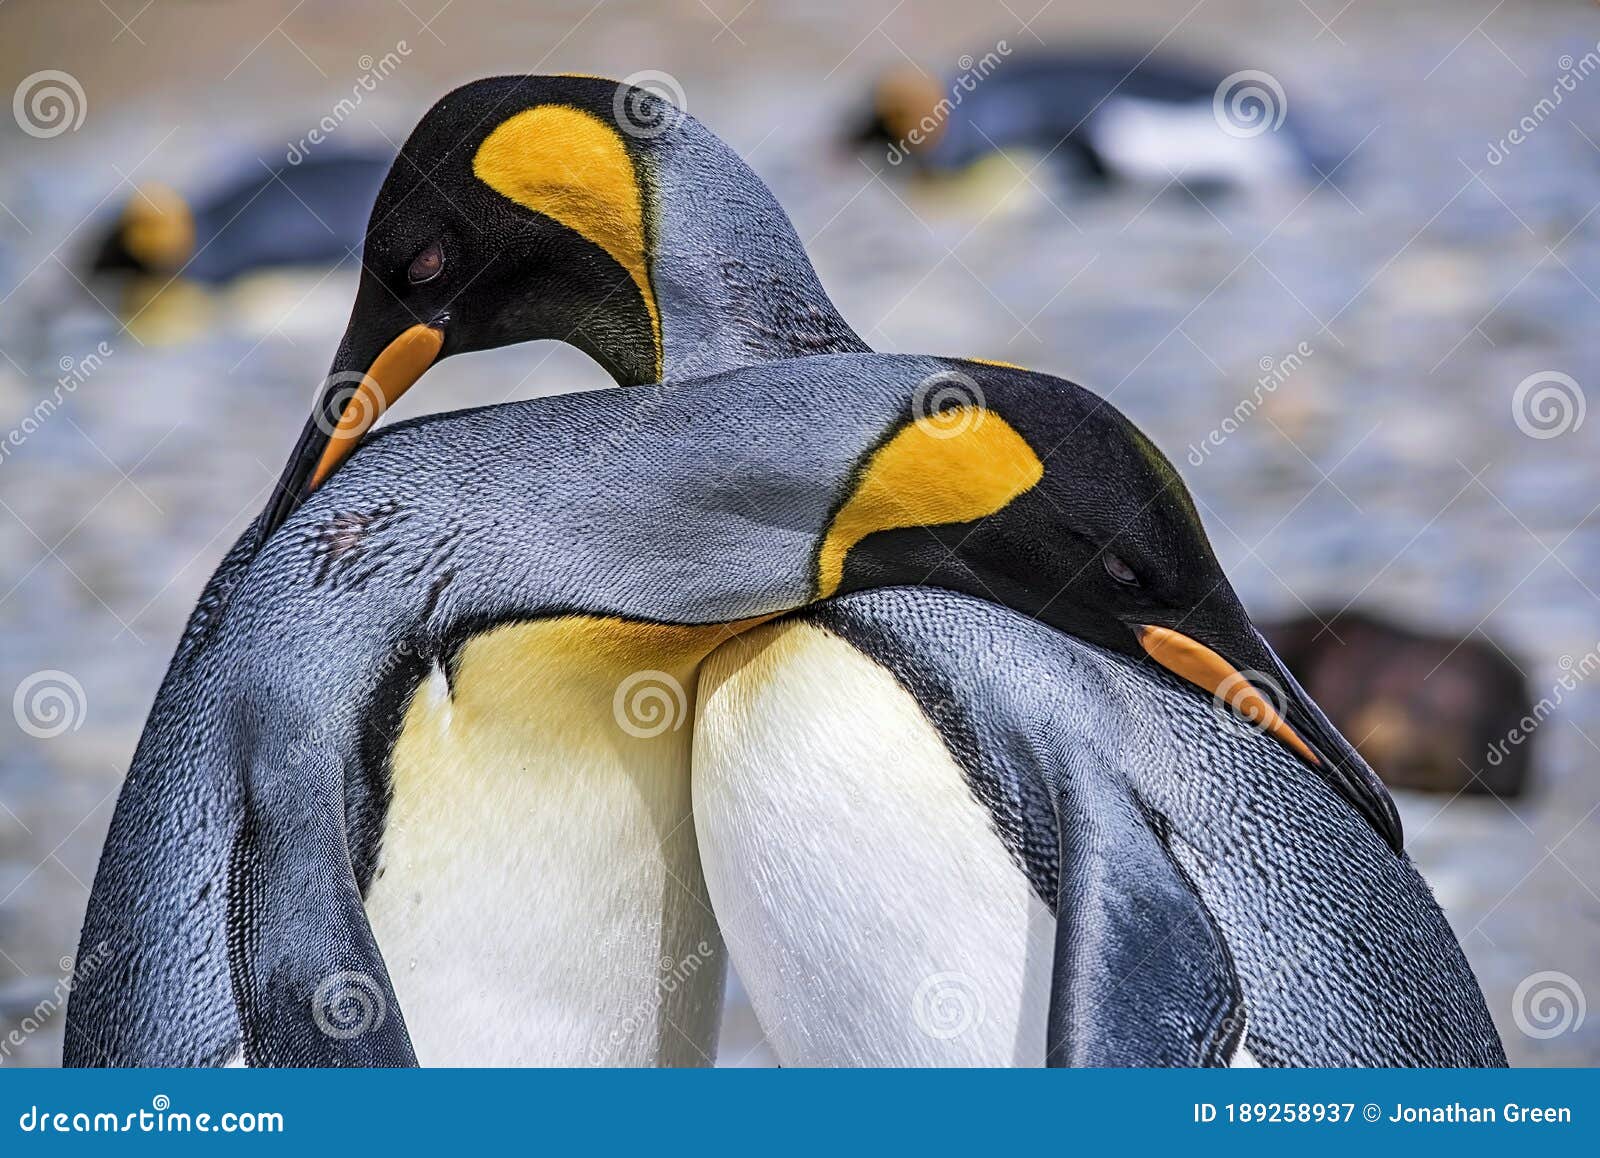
(313, 212)
(181, 265)
(1102, 116)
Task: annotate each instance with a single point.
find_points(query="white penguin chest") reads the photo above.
(871, 908)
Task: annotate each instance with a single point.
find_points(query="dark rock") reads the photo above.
(1431, 713)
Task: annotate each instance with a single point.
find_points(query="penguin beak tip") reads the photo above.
(1311, 737)
(1193, 661)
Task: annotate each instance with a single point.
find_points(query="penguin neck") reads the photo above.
(732, 278)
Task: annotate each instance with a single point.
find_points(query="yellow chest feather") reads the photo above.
(539, 897)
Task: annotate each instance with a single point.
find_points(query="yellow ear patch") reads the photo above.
(574, 168)
(997, 362)
(960, 465)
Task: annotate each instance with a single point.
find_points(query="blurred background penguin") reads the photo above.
(307, 215)
(1097, 118)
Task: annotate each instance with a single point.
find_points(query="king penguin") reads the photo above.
(1107, 116)
(447, 843)
(304, 212)
(520, 208)
(1033, 889)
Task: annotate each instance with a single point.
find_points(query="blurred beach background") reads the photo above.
(1425, 459)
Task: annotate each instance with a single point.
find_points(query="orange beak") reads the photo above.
(394, 371)
(1207, 670)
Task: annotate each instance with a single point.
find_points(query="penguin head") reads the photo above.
(154, 235)
(1034, 493)
(907, 116)
(551, 207)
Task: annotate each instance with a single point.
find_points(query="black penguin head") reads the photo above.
(1037, 494)
(570, 208)
(154, 235)
(516, 210)
(907, 115)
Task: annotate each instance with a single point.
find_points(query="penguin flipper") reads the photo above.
(1141, 975)
(308, 979)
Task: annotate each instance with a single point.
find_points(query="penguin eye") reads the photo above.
(1119, 570)
(427, 265)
